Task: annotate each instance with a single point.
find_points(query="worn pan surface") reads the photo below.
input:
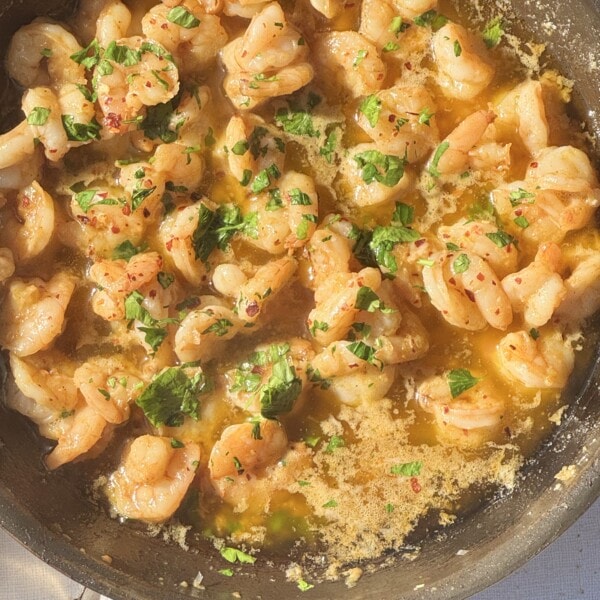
(53, 515)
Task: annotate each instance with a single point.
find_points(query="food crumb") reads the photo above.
(107, 559)
(556, 417)
(446, 518)
(566, 473)
(184, 584)
(236, 594)
(352, 576)
(197, 583)
(461, 552)
(420, 586)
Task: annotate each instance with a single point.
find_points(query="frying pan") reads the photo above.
(55, 517)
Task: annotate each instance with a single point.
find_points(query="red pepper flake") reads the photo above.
(152, 294)
(115, 229)
(518, 280)
(415, 485)
(392, 118)
(408, 66)
(169, 244)
(164, 26)
(146, 213)
(25, 200)
(518, 212)
(470, 295)
(452, 281)
(252, 309)
(534, 165)
(148, 84)
(480, 276)
(420, 242)
(113, 120)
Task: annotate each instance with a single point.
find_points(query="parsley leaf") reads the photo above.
(335, 442)
(183, 17)
(80, 132)
(371, 108)
(281, 391)
(38, 116)
(432, 19)
(383, 168)
(460, 380)
(296, 122)
(171, 395)
(435, 161)
(521, 222)
(461, 264)
(501, 238)
(385, 238)
(364, 352)
(328, 148)
(367, 299)
(403, 213)
(233, 555)
(88, 56)
(410, 469)
(126, 250)
(493, 32)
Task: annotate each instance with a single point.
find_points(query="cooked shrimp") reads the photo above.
(103, 224)
(413, 8)
(484, 239)
(108, 386)
(370, 177)
(336, 300)
(47, 379)
(452, 155)
(538, 289)
(329, 253)
(260, 289)
(39, 54)
(193, 45)
(177, 233)
(405, 123)
(560, 194)
(582, 298)
(203, 331)
(153, 478)
(253, 146)
(467, 292)
(476, 413)
(350, 61)
(112, 23)
(33, 313)
(146, 78)
(524, 106)
(545, 362)
(50, 131)
(116, 279)
(267, 61)
(243, 8)
(15, 146)
(81, 432)
(461, 59)
(30, 233)
(363, 386)
(228, 278)
(328, 8)
(7, 264)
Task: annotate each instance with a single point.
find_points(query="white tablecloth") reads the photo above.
(567, 570)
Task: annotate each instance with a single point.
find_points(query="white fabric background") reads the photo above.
(569, 569)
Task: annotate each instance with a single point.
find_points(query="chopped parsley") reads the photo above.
(410, 469)
(461, 264)
(501, 238)
(264, 178)
(521, 222)
(371, 108)
(216, 228)
(38, 116)
(435, 161)
(330, 504)
(360, 56)
(220, 327)
(233, 555)
(296, 122)
(493, 32)
(171, 396)
(460, 380)
(304, 586)
(391, 47)
(457, 48)
(534, 333)
(335, 442)
(126, 250)
(425, 116)
(183, 17)
(403, 213)
(364, 352)
(226, 572)
(432, 19)
(318, 325)
(516, 196)
(80, 132)
(240, 148)
(383, 168)
(88, 56)
(278, 395)
(398, 26)
(87, 199)
(367, 299)
(328, 148)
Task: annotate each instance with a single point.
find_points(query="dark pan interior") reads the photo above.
(53, 515)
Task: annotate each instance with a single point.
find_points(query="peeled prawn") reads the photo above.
(153, 478)
(33, 313)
